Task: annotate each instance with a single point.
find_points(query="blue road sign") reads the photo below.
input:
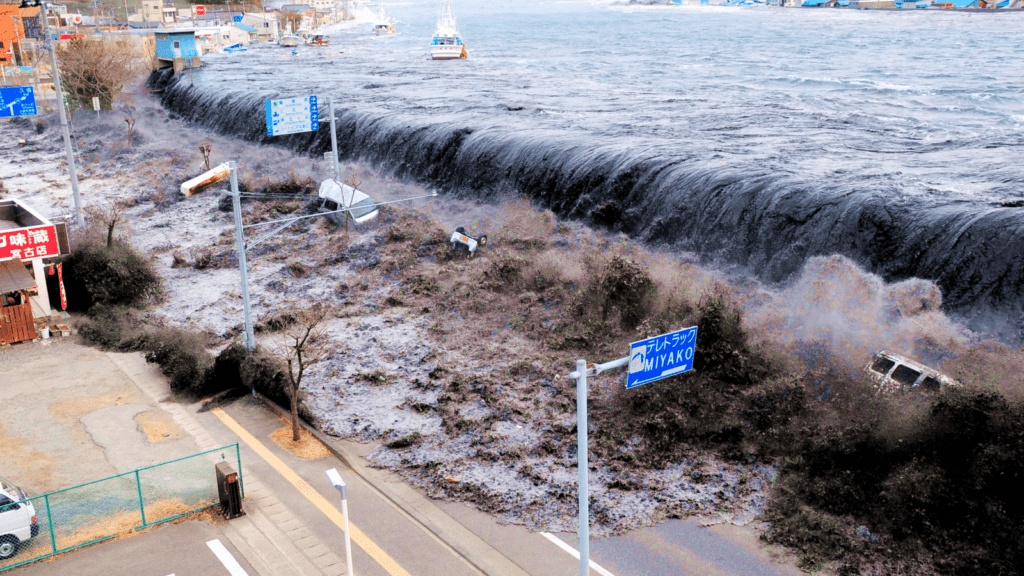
(238, 19)
(661, 356)
(20, 101)
(292, 115)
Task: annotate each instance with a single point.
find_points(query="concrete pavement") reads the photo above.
(149, 554)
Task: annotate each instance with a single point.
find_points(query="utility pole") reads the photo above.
(236, 203)
(16, 35)
(63, 113)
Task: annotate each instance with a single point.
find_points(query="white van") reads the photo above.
(361, 208)
(17, 519)
(894, 373)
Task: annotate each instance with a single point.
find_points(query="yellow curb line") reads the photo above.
(361, 540)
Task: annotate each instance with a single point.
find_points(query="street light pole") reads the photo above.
(63, 114)
(338, 483)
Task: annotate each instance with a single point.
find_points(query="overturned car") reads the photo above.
(895, 373)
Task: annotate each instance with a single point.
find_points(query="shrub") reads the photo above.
(115, 327)
(263, 372)
(118, 275)
(227, 369)
(183, 358)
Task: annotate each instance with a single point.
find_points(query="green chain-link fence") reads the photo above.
(81, 515)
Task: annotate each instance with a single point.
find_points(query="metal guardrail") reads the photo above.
(82, 515)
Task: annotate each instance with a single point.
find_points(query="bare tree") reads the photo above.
(305, 343)
(99, 66)
(109, 215)
(290, 18)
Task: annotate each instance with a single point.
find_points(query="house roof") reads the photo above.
(298, 8)
(245, 27)
(14, 276)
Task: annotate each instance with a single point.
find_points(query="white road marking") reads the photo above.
(225, 557)
(575, 553)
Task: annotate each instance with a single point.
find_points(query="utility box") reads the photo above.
(230, 491)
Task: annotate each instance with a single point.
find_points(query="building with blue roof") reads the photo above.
(249, 30)
(177, 48)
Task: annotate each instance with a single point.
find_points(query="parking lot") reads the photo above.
(69, 416)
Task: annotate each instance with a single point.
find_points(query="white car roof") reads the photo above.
(341, 193)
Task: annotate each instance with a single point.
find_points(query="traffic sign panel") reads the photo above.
(19, 101)
(661, 356)
(200, 10)
(292, 115)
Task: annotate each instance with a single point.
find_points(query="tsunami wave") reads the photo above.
(767, 223)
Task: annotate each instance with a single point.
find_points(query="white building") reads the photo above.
(266, 25)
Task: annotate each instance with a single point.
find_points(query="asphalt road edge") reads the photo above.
(481, 555)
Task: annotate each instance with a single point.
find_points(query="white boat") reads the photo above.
(290, 41)
(382, 24)
(447, 43)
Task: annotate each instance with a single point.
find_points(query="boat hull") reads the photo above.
(447, 52)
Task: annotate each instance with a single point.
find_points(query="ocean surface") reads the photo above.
(757, 137)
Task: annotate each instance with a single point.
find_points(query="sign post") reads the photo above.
(649, 360)
(96, 105)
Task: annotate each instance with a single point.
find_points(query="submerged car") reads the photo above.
(894, 373)
(335, 196)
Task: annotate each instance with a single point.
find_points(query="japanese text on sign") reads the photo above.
(661, 356)
(28, 243)
(292, 115)
(17, 101)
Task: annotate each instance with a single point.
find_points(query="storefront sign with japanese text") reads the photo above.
(29, 243)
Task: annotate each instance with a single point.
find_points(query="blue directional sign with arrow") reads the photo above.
(292, 115)
(19, 101)
(661, 356)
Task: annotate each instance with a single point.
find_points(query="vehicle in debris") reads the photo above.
(319, 40)
(337, 198)
(18, 523)
(463, 242)
(895, 373)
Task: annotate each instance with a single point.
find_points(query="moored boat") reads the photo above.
(447, 43)
(290, 41)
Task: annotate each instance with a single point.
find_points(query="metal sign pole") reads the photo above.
(582, 465)
(236, 203)
(334, 141)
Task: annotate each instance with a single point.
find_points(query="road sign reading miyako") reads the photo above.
(661, 356)
(292, 115)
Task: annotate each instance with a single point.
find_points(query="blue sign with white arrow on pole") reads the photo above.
(661, 356)
(19, 101)
(292, 115)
